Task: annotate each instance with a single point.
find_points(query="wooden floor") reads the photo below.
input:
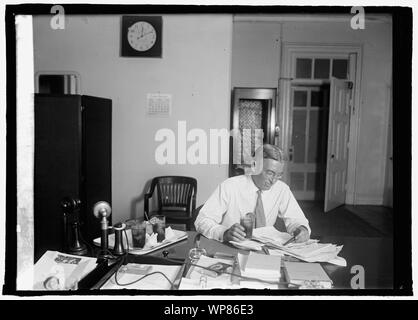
(349, 220)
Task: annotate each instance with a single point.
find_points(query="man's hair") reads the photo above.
(273, 152)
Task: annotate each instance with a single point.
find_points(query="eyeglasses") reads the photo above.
(274, 176)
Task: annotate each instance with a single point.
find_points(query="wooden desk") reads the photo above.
(374, 254)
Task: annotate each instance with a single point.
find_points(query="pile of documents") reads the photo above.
(313, 251)
(309, 251)
(260, 266)
(307, 275)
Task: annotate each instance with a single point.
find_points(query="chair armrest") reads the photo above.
(147, 196)
(193, 203)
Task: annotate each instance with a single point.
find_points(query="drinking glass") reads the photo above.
(139, 231)
(247, 222)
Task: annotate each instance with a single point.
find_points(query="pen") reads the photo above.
(265, 250)
(289, 241)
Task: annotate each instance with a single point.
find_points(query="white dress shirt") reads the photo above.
(237, 196)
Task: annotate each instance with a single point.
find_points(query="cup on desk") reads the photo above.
(158, 227)
(247, 222)
(139, 231)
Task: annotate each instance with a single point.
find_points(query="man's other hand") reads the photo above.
(301, 234)
(235, 233)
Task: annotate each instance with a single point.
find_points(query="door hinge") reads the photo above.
(82, 108)
(350, 84)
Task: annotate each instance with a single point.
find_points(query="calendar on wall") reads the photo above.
(159, 104)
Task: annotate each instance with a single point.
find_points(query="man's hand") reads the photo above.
(235, 233)
(301, 234)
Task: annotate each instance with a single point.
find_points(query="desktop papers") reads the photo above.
(313, 251)
(271, 234)
(260, 266)
(309, 251)
(153, 282)
(307, 275)
(199, 278)
(263, 235)
(56, 271)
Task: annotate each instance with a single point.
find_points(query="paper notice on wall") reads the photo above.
(158, 104)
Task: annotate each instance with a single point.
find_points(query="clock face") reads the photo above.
(141, 36)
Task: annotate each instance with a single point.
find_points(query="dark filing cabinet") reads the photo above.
(73, 136)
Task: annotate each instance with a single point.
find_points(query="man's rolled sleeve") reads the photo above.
(292, 214)
(209, 220)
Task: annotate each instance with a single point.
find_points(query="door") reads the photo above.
(307, 151)
(253, 122)
(338, 136)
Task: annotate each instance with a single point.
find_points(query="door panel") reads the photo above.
(307, 152)
(337, 154)
(253, 122)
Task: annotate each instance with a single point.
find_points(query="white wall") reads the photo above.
(255, 54)
(376, 40)
(195, 69)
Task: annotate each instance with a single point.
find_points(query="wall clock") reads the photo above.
(141, 36)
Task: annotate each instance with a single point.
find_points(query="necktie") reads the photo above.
(260, 219)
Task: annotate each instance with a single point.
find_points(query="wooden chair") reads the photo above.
(176, 199)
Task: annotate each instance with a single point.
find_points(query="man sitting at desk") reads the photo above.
(263, 194)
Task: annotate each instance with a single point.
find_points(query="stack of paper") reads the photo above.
(271, 235)
(248, 245)
(264, 235)
(313, 251)
(309, 251)
(261, 266)
(307, 275)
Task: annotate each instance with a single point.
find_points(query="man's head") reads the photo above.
(273, 166)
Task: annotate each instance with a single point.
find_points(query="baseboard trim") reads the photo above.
(374, 201)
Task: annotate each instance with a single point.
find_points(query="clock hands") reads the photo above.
(151, 32)
(143, 35)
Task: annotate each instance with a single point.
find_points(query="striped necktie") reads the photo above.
(260, 219)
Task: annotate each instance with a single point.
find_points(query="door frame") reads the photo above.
(289, 51)
(252, 93)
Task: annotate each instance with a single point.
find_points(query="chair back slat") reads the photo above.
(175, 193)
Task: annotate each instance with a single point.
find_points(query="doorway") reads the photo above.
(253, 121)
(307, 85)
